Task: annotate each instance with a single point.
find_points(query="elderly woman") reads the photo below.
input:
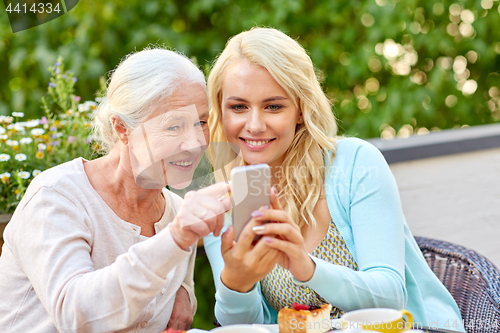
(102, 245)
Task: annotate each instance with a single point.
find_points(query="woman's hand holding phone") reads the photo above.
(283, 235)
(245, 263)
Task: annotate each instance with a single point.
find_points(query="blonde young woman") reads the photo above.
(338, 234)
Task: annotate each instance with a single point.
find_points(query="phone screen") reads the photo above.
(250, 186)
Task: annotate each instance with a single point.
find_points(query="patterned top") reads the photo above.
(279, 289)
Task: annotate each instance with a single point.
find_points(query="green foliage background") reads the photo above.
(341, 37)
(345, 39)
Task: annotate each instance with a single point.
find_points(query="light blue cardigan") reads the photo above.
(364, 203)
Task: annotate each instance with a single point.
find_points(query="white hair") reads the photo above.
(140, 80)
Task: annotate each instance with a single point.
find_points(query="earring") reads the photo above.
(300, 119)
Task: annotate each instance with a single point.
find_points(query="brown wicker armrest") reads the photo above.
(472, 280)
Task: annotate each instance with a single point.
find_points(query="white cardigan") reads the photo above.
(69, 263)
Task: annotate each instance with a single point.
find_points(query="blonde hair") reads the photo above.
(141, 79)
(288, 63)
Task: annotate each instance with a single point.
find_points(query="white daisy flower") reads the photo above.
(42, 146)
(36, 172)
(17, 114)
(37, 131)
(19, 127)
(86, 106)
(15, 125)
(4, 157)
(20, 157)
(26, 141)
(24, 174)
(4, 175)
(12, 142)
(6, 119)
(4, 137)
(2, 130)
(32, 123)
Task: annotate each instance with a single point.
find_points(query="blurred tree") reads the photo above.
(388, 65)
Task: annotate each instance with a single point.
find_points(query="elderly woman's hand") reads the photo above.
(201, 213)
(182, 315)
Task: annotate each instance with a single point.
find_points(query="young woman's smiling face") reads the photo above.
(258, 115)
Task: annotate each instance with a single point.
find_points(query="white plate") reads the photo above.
(336, 324)
(242, 328)
(272, 328)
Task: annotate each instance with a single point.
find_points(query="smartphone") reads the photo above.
(250, 186)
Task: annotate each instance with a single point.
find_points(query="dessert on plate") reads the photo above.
(305, 318)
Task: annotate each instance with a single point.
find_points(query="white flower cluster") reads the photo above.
(87, 106)
(37, 131)
(6, 119)
(22, 125)
(20, 157)
(17, 127)
(12, 143)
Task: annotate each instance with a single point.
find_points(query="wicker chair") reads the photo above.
(472, 280)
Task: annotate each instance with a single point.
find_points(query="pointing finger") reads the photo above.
(216, 190)
(273, 196)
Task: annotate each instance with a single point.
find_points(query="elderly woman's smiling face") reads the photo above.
(166, 148)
